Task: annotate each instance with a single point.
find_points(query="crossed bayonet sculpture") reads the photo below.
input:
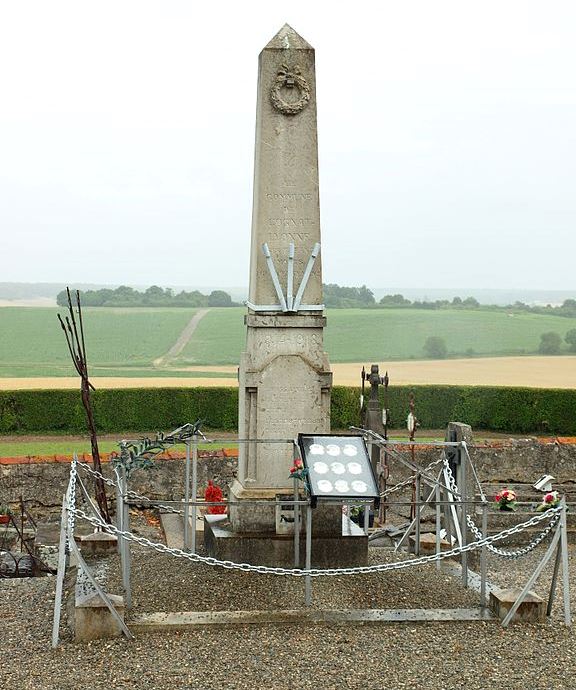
(288, 303)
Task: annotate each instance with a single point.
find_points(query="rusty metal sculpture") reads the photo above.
(74, 333)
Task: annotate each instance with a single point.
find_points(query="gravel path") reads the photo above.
(430, 656)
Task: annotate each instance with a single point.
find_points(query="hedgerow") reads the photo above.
(512, 410)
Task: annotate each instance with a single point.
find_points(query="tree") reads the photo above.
(570, 338)
(219, 298)
(471, 302)
(435, 347)
(395, 300)
(73, 328)
(550, 343)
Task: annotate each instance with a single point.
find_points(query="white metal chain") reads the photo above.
(297, 572)
(71, 496)
(504, 553)
(129, 492)
(518, 553)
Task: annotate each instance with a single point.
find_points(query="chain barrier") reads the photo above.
(129, 492)
(518, 553)
(297, 572)
(477, 532)
(71, 496)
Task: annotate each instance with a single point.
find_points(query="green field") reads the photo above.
(119, 342)
(125, 342)
(357, 335)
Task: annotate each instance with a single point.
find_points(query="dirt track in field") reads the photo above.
(533, 372)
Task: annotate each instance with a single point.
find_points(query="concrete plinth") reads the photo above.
(93, 619)
(346, 549)
(428, 544)
(531, 610)
(98, 544)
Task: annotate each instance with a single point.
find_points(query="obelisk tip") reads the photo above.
(288, 39)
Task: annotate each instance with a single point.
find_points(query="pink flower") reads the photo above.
(298, 463)
(498, 497)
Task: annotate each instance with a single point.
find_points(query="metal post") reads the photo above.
(126, 565)
(417, 514)
(296, 526)
(551, 596)
(565, 573)
(535, 575)
(119, 511)
(194, 491)
(60, 574)
(462, 485)
(308, 554)
(187, 498)
(366, 517)
(483, 553)
(438, 524)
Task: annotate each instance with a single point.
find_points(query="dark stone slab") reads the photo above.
(346, 550)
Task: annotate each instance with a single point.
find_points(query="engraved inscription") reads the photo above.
(291, 222)
(289, 196)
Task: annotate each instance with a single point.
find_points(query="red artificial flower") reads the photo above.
(498, 497)
(298, 463)
(213, 494)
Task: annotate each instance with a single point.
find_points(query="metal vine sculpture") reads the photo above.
(140, 454)
(73, 328)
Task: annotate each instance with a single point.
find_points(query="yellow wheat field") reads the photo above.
(534, 372)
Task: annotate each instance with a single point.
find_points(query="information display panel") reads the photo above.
(338, 467)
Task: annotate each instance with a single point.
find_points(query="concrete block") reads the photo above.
(531, 610)
(98, 544)
(93, 619)
(428, 544)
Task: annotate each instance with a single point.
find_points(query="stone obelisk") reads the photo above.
(284, 375)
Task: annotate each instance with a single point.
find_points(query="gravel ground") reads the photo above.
(432, 656)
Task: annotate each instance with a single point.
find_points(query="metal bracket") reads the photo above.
(288, 304)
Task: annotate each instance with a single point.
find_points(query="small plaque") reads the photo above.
(338, 467)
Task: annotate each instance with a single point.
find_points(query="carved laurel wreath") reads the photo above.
(288, 78)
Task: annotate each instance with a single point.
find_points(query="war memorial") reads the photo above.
(289, 508)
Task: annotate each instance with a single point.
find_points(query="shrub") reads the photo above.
(550, 343)
(435, 347)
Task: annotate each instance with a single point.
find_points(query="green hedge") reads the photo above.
(512, 410)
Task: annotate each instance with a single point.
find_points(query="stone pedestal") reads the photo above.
(347, 548)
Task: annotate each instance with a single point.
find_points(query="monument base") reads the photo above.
(347, 549)
(262, 517)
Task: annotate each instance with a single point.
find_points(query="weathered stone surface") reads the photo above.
(531, 610)
(93, 619)
(284, 374)
(286, 203)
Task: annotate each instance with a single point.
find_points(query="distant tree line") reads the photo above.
(336, 296)
(154, 296)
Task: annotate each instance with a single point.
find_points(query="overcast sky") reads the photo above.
(447, 140)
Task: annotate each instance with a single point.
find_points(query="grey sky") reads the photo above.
(446, 133)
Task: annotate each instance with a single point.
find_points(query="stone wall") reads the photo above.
(514, 461)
